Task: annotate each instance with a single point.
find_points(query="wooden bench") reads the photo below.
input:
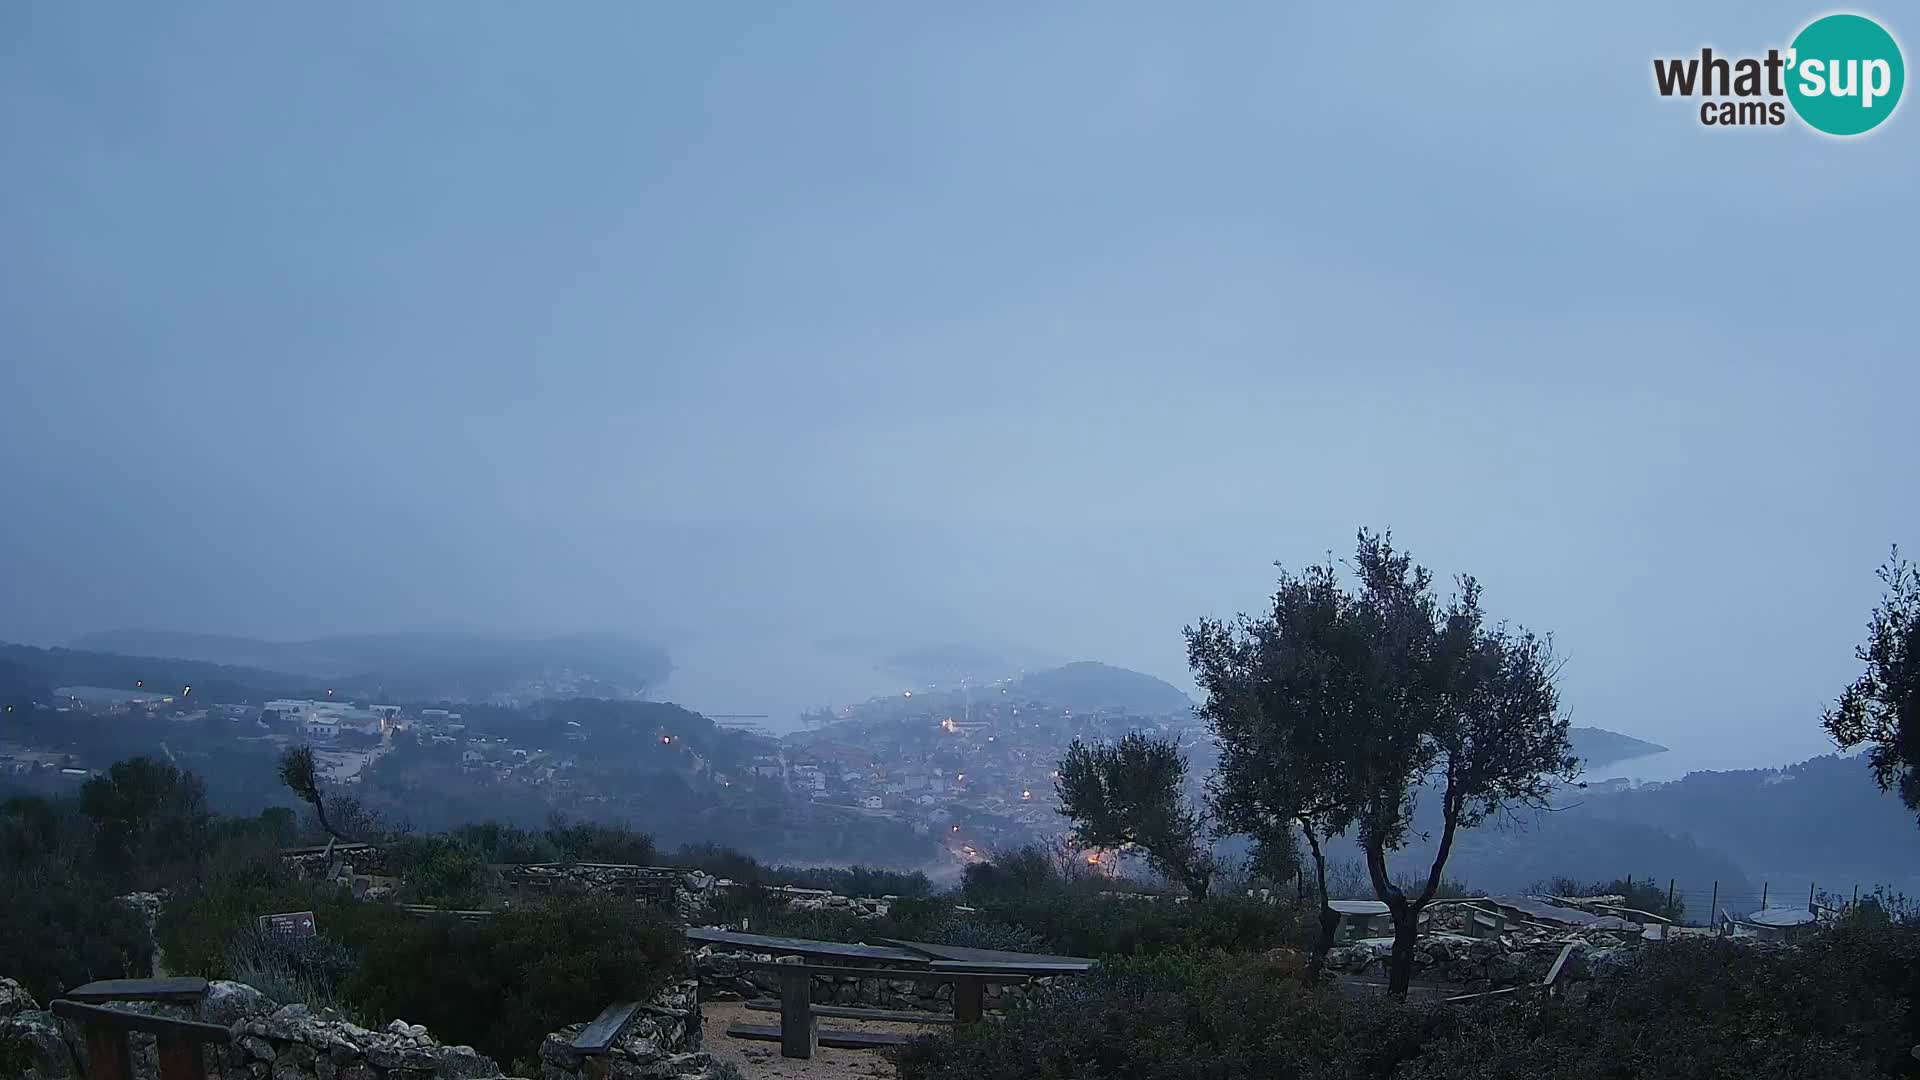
(839, 1040)
(177, 990)
(846, 1012)
(178, 1042)
(598, 1037)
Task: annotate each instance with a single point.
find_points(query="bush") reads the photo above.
(59, 929)
(440, 870)
(242, 880)
(1024, 872)
(1179, 1016)
(1833, 1008)
(498, 843)
(1133, 926)
(986, 934)
(599, 842)
(307, 971)
(501, 984)
(738, 866)
(912, 920)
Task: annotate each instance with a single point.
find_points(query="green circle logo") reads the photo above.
(1845, 74)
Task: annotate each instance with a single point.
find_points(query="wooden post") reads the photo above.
(1809, 896)
(799, 1031)
(107, 1056)
(1763, 896)
(180, 1058)
(1670, 898)
(1713, 916)
(969, 999)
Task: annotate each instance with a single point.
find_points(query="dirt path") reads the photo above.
(762, 1060)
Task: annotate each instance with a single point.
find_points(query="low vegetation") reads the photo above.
(1838, 1008)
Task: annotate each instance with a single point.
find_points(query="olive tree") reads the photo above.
(301, 775)
(1881, 708)
(1130, 796)
(1344, 706)
(1276, 694)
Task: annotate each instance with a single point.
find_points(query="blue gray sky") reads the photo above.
(756, 326)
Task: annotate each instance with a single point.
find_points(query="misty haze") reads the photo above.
(1395, 505)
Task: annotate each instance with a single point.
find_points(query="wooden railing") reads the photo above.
(178, 1042)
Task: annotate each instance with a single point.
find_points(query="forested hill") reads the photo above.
(1822, 817)
(1090, 686)
(416, 666)
(31, 674)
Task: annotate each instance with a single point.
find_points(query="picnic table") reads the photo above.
(178, 1042)
(970, 971)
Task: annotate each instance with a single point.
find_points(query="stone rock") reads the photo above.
(15, 999)
(32, 1039)
(228, 1003)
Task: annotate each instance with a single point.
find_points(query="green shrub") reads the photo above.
(440, 871)
(498, 843)
(599, 842)
(501, 984)
(738, 866)
(968, 933)
(1080, 925)
(241, 881)
(59, 929)
(1835, 1008)
(308, 971)
(1021, 873)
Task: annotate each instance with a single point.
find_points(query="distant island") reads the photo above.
(1598, 746)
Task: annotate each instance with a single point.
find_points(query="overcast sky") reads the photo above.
(753, 326)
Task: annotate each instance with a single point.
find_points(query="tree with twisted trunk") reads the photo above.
(1342, 706)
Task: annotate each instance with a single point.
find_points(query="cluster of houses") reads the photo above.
(981, 777)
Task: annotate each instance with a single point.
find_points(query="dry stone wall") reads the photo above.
(291, 1042)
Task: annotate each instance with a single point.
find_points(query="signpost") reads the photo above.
(291, 924)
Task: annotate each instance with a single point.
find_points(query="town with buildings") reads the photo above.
(970, 772)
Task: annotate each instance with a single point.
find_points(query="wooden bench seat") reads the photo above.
(846, 1012)
(842, 1040)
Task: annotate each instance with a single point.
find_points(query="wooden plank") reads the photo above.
(848, 1012)
(107, 1054)
(1553, 975)
(179, 1058)
(991, 958)
(1035, 969)
(841, 1040)
(969, 999)
(767, 943)
(799, 1031)
(181, 989)
(119, 1020)
(907, 974)
(598, 1036)
(1486, 994)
